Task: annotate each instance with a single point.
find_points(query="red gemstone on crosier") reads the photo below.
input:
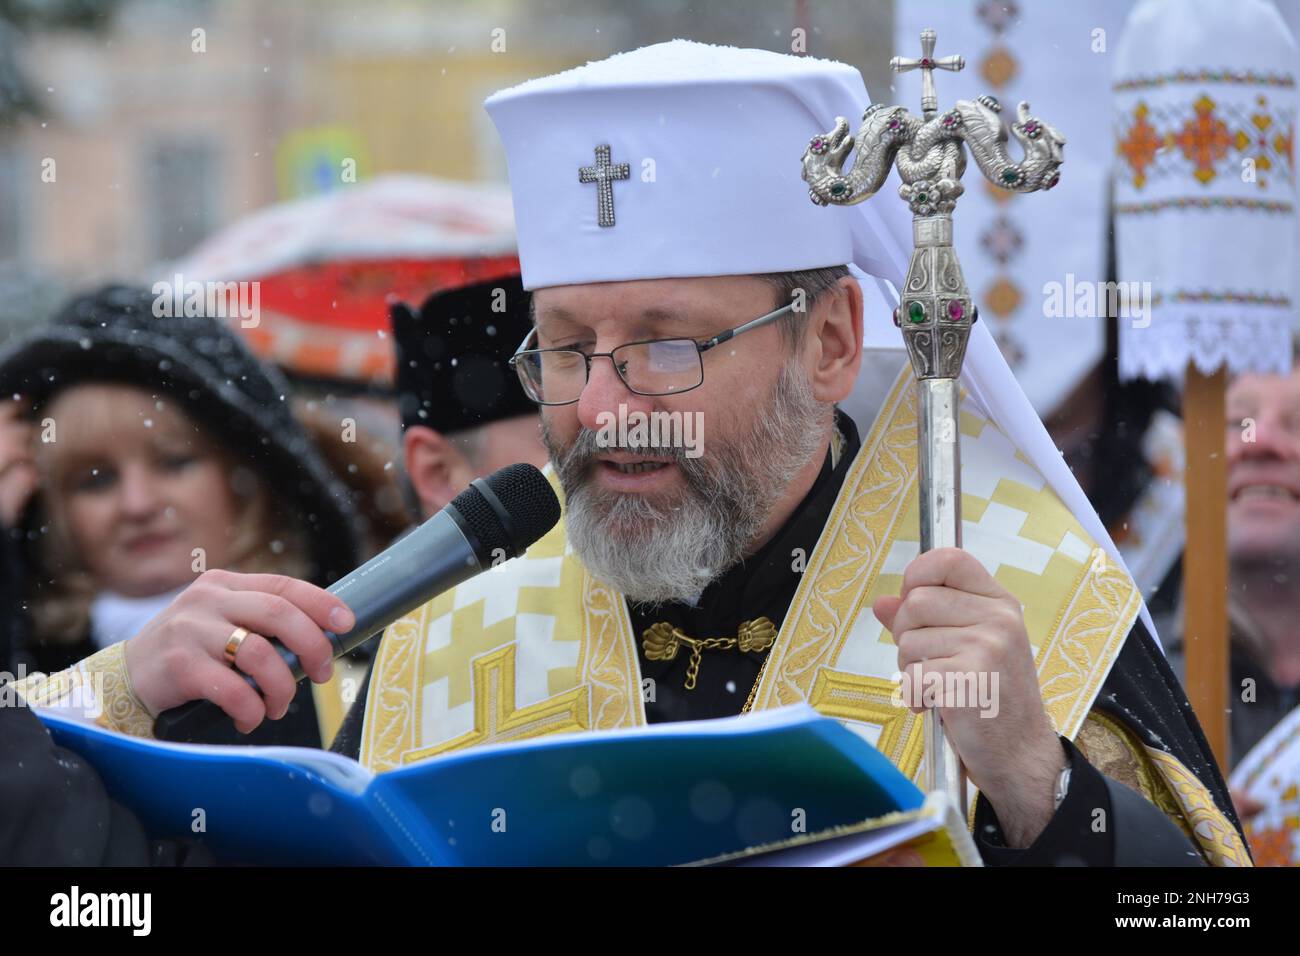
(955, 310)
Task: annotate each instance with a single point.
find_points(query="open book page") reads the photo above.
(664, 794)
(340, 771)
(934, 834)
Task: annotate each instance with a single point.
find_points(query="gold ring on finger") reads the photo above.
(232, 644)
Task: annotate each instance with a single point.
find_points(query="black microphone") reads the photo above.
(495, 518)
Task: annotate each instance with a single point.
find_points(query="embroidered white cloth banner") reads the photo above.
(1204, 187)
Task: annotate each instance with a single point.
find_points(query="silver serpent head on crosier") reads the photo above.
(929, 155)
(930, 152)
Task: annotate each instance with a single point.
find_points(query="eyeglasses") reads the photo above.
(653, 367)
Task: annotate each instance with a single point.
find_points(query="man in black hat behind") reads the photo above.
(463, 413)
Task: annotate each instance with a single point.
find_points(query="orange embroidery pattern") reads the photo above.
(1139, 145)
(1204, 139)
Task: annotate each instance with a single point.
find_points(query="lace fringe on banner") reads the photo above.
(1212, 336)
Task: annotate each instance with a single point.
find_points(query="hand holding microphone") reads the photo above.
(296, 629)
(180, 655)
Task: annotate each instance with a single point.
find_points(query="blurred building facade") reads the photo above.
(157, 122)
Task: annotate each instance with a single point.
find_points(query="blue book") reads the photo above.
(662, 794)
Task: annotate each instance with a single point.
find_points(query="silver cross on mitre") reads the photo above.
(603, 175)
(935, 309)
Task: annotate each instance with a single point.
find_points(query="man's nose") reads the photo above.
(604, 393)
(1262, 435)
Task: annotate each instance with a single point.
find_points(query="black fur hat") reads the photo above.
(452, 356)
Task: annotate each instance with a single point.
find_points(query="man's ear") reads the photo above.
(438, 469)
(838, 331)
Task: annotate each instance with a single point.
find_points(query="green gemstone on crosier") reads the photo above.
(921, 197)
(838, 189)
(1010, 175)
(916, 312)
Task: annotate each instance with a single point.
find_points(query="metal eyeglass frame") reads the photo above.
(701, 348)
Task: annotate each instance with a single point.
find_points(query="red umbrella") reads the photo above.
(328, 266)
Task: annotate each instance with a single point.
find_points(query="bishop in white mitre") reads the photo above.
(681, 276)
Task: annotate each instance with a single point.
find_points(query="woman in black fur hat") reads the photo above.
(162, 447)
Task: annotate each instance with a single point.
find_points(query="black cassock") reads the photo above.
(1140, 692)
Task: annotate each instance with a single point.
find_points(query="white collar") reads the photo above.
(115, 617)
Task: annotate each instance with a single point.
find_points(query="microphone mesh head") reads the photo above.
(526, 496)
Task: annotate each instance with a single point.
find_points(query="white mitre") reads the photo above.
(683, 159)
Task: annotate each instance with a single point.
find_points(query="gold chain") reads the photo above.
(709, 644)
(754, 690)
(662, 641)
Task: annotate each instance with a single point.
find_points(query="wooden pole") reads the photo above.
(1205, 559)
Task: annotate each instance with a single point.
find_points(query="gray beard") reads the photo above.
(670, 552)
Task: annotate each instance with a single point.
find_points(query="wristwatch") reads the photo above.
(1062, 787)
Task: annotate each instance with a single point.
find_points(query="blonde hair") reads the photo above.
(266, 538)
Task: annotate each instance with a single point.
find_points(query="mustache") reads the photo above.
(586, 447)
(703, 476)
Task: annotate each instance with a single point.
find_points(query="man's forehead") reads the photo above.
(657, 300)
(1257, 387)
(561, 313)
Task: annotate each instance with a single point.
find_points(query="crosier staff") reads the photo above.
(935, 310)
